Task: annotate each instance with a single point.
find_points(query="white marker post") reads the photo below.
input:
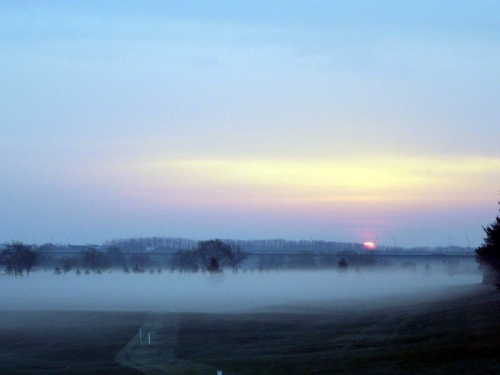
(149, 338)
(219, 372)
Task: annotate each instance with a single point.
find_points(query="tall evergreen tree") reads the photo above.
(488, 254)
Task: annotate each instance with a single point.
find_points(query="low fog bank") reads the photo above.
(202, 292)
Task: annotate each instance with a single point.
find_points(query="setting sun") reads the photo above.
(369, 245)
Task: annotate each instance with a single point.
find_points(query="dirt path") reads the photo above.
(158, 357)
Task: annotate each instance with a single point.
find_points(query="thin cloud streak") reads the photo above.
(375, 178)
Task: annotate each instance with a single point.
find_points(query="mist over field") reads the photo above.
(202, 292)
(342, 156)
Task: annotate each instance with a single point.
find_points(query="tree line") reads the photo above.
(208, 256)
(211, 256)
(168, 244)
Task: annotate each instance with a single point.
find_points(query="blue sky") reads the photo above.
(345, 120)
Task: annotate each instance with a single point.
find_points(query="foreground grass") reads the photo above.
(36, 343)
(461, 336)
(458, 333)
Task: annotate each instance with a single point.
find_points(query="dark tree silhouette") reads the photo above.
(488, 254)
(214, 266)
(343, 264)
(18, 257)
(68, 264)
(214, 249)
(28, 258)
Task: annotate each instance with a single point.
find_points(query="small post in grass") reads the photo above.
(219, 372)
(149, 338)
(140, 335)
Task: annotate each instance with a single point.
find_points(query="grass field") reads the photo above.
(35, 343)
(457, 332)
(459, 336)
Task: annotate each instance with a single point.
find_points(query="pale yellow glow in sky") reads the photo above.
(375, 178)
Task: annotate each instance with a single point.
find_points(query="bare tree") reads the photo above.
(18, 257)
(11, 260)
(185, 261)
(238, 255)
(29, 258)
(68, 264)
(93, 259)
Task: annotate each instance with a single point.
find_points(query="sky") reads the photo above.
(346, 121)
